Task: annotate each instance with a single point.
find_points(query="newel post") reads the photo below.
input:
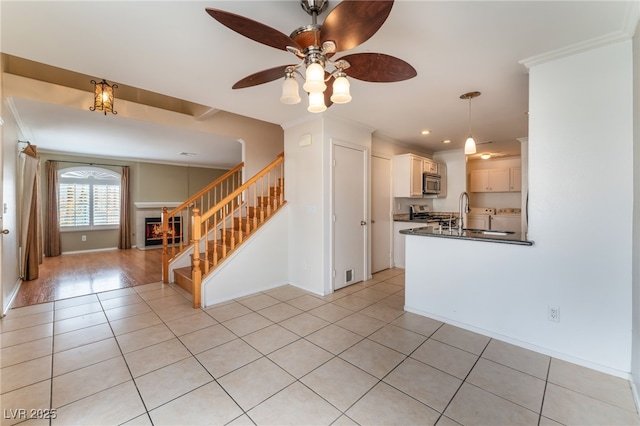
(165, 249)
(196, 273)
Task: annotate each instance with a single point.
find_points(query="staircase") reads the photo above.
(220, 218)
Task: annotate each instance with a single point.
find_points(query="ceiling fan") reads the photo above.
(349, 24)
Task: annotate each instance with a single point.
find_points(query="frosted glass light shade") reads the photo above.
(316, 102)
(470, 146)
(314, 79)
(341, 93)
(290, 94)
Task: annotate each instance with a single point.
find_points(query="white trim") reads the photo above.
(12, 298)
(545, 351)
(90, 250)
(156, 204)
(584, 46)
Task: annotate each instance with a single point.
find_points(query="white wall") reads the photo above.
(456, 179)
(584, 269)
(10, 220)
(257, 265)
(309, 196)
(635, 365)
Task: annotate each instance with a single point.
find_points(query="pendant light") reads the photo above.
(103, 96)
(470, 144)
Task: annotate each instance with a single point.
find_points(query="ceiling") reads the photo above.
(175, 49)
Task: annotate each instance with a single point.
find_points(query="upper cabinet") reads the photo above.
(407, 174)
(495, 180)
(429, 166)
(516, 179)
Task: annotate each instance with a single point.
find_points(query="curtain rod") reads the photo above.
(87, 163)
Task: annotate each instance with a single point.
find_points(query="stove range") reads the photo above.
(417, 211)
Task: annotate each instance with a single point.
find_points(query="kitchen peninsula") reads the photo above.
(461, 278)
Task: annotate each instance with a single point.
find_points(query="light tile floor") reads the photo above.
(143, 355)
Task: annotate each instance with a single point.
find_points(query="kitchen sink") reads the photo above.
(488, 232)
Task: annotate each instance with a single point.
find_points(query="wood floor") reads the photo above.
(78, 274)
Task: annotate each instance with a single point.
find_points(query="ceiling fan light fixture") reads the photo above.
(314, 78)
(290, 95)
(316, 102)
(341, 86)
(103, 96)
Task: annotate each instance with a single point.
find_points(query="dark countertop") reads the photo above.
(404, 217)
(469, 234)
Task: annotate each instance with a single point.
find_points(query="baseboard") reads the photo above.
(12, 298)
(90, 251)
(545, 351)
(634, 391)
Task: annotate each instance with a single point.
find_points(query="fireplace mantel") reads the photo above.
(156, 204)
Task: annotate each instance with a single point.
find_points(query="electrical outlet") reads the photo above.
(84, 238)
(553, 314)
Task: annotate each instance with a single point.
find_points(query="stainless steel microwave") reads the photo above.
(430, 184)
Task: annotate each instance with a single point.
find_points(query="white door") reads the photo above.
(350, 214)
(381, 224)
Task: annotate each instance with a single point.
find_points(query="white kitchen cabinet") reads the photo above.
(490, 180)
(429, 166)
(477, 221)
(407, 176)
(398, 241)
(506, 222)
(515, 179)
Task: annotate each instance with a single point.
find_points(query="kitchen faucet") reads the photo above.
(463, 195)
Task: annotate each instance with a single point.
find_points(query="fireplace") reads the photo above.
(153, 231)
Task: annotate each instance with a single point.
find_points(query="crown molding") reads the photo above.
(625, 33)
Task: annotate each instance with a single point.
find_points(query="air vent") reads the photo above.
(187, 154)
(348, 276)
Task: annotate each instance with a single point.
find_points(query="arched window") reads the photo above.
(88, 198)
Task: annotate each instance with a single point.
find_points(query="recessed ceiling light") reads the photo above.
(425, 132)
(446, 141)
(187, 154)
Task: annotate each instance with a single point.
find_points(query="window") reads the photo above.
(88, 198)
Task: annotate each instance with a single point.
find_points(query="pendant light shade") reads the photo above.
(103, 97)
(470, 144)
(314, 79)
(290, 93)
(341, 87)
(316, 102)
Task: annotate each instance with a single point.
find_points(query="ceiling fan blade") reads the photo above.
(351, 23)
(252, 29)
(261, 77)
(378, 68)
(329, 91)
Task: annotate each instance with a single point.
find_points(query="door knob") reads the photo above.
(5, 231)
(362, 222)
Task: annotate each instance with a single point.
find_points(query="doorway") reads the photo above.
(350, 234)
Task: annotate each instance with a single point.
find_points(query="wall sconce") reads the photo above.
(103, 97)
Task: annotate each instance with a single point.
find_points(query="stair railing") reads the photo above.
(177, 223)
(234, 218)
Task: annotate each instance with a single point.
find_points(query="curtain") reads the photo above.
(124, 242)
(52, 245)
(31, 226)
